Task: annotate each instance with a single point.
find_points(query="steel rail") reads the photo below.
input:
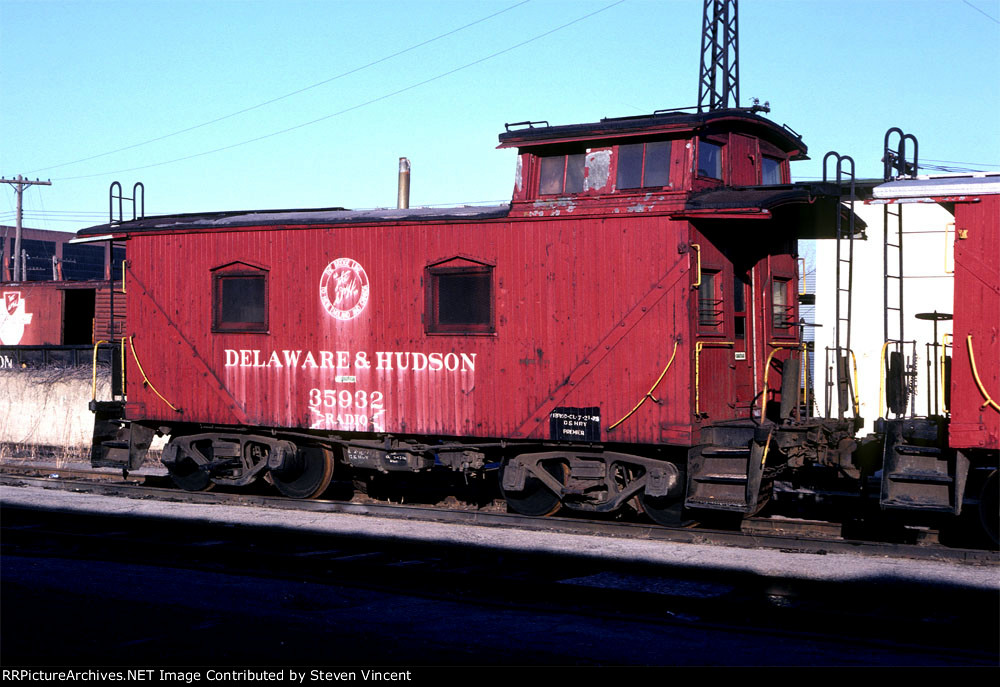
(759, 536)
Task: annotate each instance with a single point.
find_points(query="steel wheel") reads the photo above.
(663, 510)
(187, 474)
(535, 499)
(190, 470)
(989, 508)
(306, 475)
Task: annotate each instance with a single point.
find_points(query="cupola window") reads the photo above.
(562, 174)
(770, 172)
(709, 160)
(642, 165)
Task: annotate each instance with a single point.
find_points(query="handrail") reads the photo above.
(93, 390)
(946, 270)
(697, 369)
(944, 356)
(979, 383)
(767, 446)
(776, 345)
(145, 379)
(93, 393)
(649, 394)
(881, 379)
(857, 400)
(697, 249)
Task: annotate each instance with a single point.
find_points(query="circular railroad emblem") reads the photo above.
(343, 289)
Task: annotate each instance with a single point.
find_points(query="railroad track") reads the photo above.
(783, 534)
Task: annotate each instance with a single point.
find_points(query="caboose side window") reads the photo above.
(562, 174)
(739, 307)
(460, 300)
(239, 302)
(709, 160)
(710, 308)
(643, 165)
(782, 312)
(770, 172)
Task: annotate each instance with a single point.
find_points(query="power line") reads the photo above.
(353, 107)
(58, 219)
(287, 95)
(948, 168)
(991, 18)
(62, 212)
(963, 162)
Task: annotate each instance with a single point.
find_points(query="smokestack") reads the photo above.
(403, 196)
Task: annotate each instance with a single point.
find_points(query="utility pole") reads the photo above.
(719, 76)
(19, 184)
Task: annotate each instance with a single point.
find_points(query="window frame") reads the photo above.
(722, 159)
(788, 326)
(565, 173)
(777, 161)
(642, 165)
(432, 323)
(711, 277)
(239, 271)
(740, 315)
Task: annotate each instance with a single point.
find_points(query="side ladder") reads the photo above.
(844, 276)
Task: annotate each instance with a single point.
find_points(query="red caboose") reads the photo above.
(625, 330)
(932, 463)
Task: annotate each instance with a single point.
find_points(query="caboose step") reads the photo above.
(722, 478)
(928, 476)
(117, 443)
(910, 450)
(735, 451)
(111, 454)
(728, 476)
(924, 478)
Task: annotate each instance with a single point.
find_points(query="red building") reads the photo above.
(65, 296)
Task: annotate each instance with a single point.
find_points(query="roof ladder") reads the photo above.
(844, 278)
(138, 194)
(895, 166)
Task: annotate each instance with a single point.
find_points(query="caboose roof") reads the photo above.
(610, 128)
(300, 217)
(945, 185)
(810, 208)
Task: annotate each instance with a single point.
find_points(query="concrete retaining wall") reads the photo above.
(44, 411)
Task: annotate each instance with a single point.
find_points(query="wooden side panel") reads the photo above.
(744, 160)
(104, 330)
(739, 323)
(977, 314)
(586, 312)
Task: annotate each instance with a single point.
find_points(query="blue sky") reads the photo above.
(81, 79)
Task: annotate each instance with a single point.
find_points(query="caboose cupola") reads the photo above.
(669, 154)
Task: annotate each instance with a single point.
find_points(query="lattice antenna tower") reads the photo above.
(719, 76)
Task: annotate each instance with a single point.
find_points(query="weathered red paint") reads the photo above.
(974, 423)
(591, 293)
(37, 306)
